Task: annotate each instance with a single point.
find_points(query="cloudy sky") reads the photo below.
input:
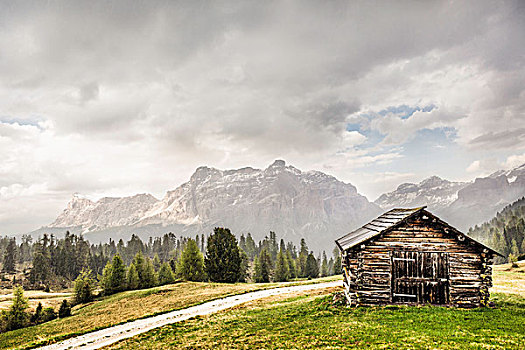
(117, 98)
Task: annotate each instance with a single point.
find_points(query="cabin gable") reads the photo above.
(418, 260)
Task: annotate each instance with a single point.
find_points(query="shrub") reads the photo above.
(114, 276)
(132, 277)
(65, 309)
(17, 317)
(166, 274)
(48, 314)
(37, 316)
(191, 263)
(84, 286)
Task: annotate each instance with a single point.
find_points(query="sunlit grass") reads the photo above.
(311, 322)
(127, 306)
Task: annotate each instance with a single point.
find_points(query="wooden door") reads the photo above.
(420, 277)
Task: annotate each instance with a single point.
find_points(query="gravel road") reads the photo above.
(104, 337)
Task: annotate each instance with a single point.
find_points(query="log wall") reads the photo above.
(368, 266)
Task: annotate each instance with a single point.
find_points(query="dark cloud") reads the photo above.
(504, 139)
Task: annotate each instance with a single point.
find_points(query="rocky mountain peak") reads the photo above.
(433, 181)
(280, 198)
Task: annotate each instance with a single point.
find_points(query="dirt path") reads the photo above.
(104, 337)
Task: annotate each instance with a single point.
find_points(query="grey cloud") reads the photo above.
(504, 139)
(169, 85)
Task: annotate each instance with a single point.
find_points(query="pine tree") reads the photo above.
(301, 260)
(10, 257)
(17, 316)
(149, 277)
(263, 267)
(132, 278)
(324, 266)
(281, 267)
(312, 267)
(166, 274)
(140, 266)
(223, 261)
(251, 249)
(41, 269)
(105, 279)
(118, 275)
(191, 263)
(245, 264)
(114, 276)
(291, 265)
(156, 262)
(338, 269)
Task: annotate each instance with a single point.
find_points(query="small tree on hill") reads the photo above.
(132, 277)
(65, 309)
(36, 317)
(312, 268)
(191, 263)
(17, 316)
(149, 277)
(166, 274)
(281, 267)
(263, 267)
(114, 276)
(324, 265)
(83, 288)
(223, 261)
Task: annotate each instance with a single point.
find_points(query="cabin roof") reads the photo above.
(385, 222)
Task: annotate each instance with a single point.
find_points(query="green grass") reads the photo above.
(128, 306)
(311, 322)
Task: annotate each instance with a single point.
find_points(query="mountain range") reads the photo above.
(283, 199)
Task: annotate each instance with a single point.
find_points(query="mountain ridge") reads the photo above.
(278, 198)
(284, 199)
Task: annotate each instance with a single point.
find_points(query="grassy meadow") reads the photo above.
(310, 321)
(127, 306)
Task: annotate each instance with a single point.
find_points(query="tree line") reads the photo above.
(112, 268)
(56, 263)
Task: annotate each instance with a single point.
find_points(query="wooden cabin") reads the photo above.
(409, 256)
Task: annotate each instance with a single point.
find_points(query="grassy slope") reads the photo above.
(309, 321)
(125, 307)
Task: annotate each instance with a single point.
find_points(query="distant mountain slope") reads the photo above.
(462, 204)
(279, 198)
(483, 198)
(434, 192)
(506, 231)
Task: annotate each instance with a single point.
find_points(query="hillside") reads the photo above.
(311, 321)
(280, 198)
(506, 231)
(127, 306)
